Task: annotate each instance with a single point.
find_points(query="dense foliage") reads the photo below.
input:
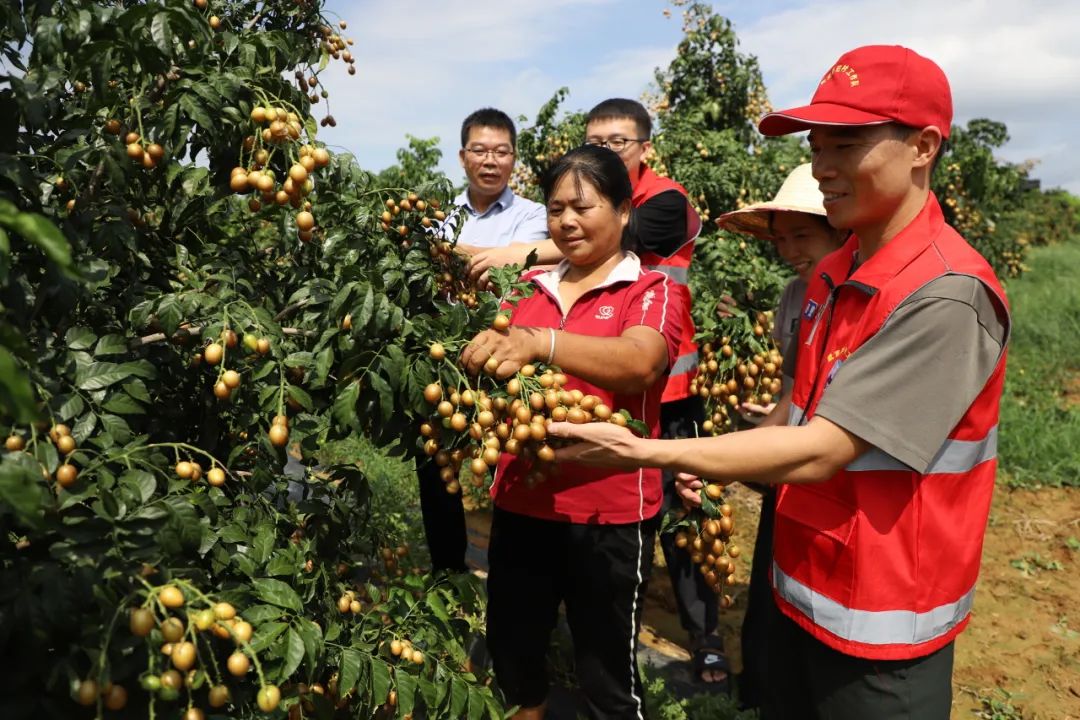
(191, 285)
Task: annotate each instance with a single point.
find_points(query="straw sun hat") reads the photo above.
(799, 193)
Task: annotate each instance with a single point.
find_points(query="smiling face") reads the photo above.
(866, 176)
(487, 173)
(584, 224)
(802, 240)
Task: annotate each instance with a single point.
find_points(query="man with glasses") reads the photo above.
(494, 217)
(666, 227)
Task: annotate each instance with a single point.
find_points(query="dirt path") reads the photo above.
(1024, 636)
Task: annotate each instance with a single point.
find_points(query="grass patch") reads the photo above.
(1040, 414)
(394, 486)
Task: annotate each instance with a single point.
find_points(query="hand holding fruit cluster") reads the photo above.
(475, 425)
(705, 533)
(726, 381)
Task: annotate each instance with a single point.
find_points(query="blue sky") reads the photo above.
(423, 66)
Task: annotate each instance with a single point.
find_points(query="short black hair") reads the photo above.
(620, 108)
(490, 118)
(604, 170)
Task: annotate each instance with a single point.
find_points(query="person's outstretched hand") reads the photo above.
(599, 444)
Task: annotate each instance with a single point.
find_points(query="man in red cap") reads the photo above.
(886, 465)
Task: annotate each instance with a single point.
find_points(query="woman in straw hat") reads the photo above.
(795, 221)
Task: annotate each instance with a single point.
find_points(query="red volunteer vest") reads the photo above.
(676, 267)
(880, 561)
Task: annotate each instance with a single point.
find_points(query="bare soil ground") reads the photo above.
(1024, 636)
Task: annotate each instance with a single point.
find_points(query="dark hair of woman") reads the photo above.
(604, 170)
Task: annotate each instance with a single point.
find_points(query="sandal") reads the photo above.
(709, 657)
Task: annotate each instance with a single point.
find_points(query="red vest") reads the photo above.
(676, 267)
(880, 561)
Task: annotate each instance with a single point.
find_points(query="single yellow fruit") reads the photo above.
(216, 477)
(213, 353)
(238, 663)
(269, 698)
(171, 596)
(279, 435)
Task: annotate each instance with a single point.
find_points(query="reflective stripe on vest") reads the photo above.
(680, 275)
(685, 363)
(884, 627)
(955, 456)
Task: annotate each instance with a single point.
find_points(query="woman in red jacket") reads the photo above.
(585, 536)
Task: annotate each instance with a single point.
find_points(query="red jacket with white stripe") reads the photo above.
(880, 561)
(631, 295)
(677, 267)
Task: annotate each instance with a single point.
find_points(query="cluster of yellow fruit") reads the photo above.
(414, 208)
(190, 470)
(478, 425)
(725, 382)
(178, 641)
(337, 47)
(283, 132)
(708, 542)
(60, 435)
(146, 154)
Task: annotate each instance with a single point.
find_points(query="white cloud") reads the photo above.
(422, 67)
(1018, 63)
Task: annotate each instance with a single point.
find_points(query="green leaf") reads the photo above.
(16, 395)
(301, 396)
(79, 338)
(123, 404)
(277, 593)
(162, 34)
(20, 487)
(196, 111)
(141, 482)
(380, 680)
(350, 670)
(344, 410)
(263, 544)
(363, 316)
(459, 696)
(311, 634)
(259, 614)
(111, 345)
(386, 395)
(98, 375)
(476, 704)
(137, 389)
(73, 405)
(38, 230)
(281, 564)
(406, 693)
(266, 634)
(294, 654)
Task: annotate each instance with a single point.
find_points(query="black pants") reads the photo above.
(696, 602)
(811, 681)
(444, 519)
(754, 680)
(599, 572)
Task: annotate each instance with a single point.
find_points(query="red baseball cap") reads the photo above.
(872, 85)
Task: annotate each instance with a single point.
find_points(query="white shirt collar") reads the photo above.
(628, 270)
(505, 200)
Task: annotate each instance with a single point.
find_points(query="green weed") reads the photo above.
(1032, 564)
(997, 705)
(1040, 421)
